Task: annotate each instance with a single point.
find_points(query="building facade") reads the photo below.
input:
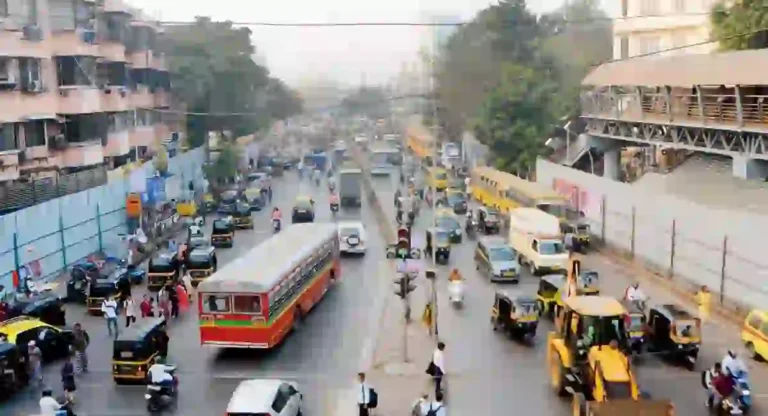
(82, 85)
(649, 26)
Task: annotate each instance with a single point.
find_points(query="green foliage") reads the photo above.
(515, 117)
(161, 161)
(371, 102)
(226, 164)
(213, 72)
(732, 19)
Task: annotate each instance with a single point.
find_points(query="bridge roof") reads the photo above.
(727, 68)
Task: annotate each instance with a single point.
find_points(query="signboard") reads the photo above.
(133, 205)
(155, 190)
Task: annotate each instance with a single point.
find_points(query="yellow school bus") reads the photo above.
(506, 191)
(420, 142)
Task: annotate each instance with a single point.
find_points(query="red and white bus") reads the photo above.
(254, 301)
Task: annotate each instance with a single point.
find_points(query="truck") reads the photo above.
(350, 187)
(536, 237)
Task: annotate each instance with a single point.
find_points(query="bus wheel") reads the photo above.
(298, 319)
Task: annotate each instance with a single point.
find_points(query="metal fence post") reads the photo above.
(632, 243)
(672, 249)
(63, 241)
(603, 205)
(98, 227)
(16, 258)
(722, 269)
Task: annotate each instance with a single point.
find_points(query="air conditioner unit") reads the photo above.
(32, 33)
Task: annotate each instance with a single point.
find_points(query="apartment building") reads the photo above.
(82, 85)
(648, 26)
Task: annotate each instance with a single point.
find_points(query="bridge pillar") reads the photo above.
(748, 168)
(612, 163)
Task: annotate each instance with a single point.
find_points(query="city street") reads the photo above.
(322, 357)
(489, 372)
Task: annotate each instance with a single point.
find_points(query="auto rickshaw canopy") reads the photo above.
(439, 237)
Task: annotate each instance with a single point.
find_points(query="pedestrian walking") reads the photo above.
(367, 398)
(146, 307)
(109, 308)
(35, 364)
(129, 305)
(173, 298)
(183, 297)
(704, 300)
(68, 379)
(436, 408)
(421, 405)
(187, 280)
(80, 341)
(165, 308)
(436, 367)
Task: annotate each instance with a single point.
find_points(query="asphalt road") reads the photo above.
(489, 373)
(322, 357)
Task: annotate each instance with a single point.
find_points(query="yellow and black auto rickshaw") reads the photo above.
(242, 216)
(636, 325)
(518, 316)
(135, 349)
(100, 289)
(13, 374)
(674, 333)
(439, 240)
(587, 284)
(186, 207)
(201, 263)
(222, 234)
(549, 286)
(163, 268)
(209, 203)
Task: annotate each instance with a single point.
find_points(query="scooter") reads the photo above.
(456, 293)
(276, 226)
(159, 397)
(334, 208)
(744, 392)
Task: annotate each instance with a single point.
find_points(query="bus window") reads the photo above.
(553, 209)
(216, 304)
(250, 304)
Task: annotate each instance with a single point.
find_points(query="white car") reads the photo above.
(352, 237)
(265, 397)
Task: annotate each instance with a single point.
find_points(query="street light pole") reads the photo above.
(433, 151)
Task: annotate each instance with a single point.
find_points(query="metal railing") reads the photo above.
(20, 195)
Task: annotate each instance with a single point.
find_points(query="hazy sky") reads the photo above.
(340, 53)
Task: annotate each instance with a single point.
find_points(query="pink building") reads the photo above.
(82, 85)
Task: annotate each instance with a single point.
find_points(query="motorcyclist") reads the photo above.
(277, 215)
(634, 294)
(723, 386)
(334, 200)
(331, 184)
(707, 378)
(160, 373)
(732, 364)
(398, 194)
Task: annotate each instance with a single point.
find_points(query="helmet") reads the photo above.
(732, 353)
(636, 285)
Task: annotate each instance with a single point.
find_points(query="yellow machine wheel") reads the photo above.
(557, 373)
(579, 405)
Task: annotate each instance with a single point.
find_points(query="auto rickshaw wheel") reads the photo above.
(557, 373)
(751, 351)
(579, 405)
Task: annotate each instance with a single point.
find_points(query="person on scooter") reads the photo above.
(334, 201)
(277, 216)
(732, 364)
(160, 374)
(635, 295)
(455, 276)
(723, 387)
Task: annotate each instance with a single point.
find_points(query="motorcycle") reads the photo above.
(160, 397)
(744, 393)
(470, 228)
(456, 293)
(276, 226)
(729, 406)
(334, 208)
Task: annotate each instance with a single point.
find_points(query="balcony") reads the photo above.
(147, 60)
(74, 43)
(82, 154)
(143, 136)
(9, 165)
(162, 98)
(142, 98)
(40, 159)
(661, 23)
(18, 43)
(80, 99)
(115, 98)
(17, 105)
(118, 143)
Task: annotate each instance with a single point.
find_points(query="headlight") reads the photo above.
(745, 393)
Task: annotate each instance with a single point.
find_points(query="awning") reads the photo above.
(728, 68)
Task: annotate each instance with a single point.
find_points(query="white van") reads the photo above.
(536, 237)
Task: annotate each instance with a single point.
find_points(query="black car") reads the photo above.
(45, 306)
(228, 203)
(303, 211)
(457, 201)
(488, 220)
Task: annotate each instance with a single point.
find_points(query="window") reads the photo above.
(680, 6)
(34, 133)
(624, 8)
(624, 52)
(764, 329)
(649, 7)
(62, 15)
(250, 304)
(86, 127)
(649, 44)
(216, 304)
(76, 70)
(112, 73)
(8, 137)
(31, 75)
(281, 399)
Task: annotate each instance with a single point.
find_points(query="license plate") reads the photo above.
(508, 274)
(556, 266)
(301, 211)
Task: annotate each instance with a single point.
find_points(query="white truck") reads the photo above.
(350, 187)
(536, 237)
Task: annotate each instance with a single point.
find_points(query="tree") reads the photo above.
(368, 101)
(226, 164)
(213, 72)
(740, 24)
(517, 116)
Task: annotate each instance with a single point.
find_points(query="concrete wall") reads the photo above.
(48, 237)
(721, 249)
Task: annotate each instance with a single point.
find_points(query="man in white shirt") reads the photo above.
(109, 309)
(438, 359)
(363, 395)
(634, 294)
(48, 405)
(733, 365)
(160, 374)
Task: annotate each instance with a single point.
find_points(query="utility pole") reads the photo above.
(435, 136)
(403, 281)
